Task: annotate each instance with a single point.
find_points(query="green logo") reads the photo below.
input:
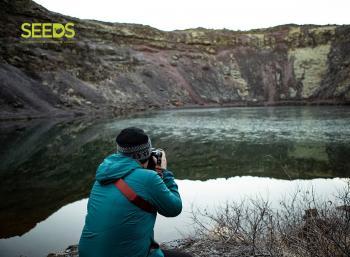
(47, 30)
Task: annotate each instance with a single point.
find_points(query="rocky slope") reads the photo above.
(111, 67)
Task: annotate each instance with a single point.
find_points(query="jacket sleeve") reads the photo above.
(164, 194)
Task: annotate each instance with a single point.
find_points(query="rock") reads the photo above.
(176, 102)
(227, 71)
(211, 50)
(292, 92)
(71, 251)
(147, 73)
(206, 67)
(173, 63)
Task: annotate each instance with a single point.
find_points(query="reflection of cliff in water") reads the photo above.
(285, 160)
(46, 165)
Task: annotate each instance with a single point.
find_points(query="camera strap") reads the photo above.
(131, 195)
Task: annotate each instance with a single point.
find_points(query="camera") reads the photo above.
(157, 153)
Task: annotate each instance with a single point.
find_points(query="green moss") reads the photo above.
(310, 66)
(322, 30)
(343, 87)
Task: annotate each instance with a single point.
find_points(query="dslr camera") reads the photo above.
(152, 164)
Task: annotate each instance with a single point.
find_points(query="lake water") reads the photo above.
(47, 166)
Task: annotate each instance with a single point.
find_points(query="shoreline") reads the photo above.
(76, 113)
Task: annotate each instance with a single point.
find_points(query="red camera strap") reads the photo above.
(130, 194)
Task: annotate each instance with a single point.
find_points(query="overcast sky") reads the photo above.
(218, 14)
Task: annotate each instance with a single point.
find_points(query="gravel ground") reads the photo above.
(197, 247)
(210, 247)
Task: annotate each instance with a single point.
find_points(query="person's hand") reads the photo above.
(163, 164)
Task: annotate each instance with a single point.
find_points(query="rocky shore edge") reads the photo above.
(204, 247)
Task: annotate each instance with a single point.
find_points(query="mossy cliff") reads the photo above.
(112, 67)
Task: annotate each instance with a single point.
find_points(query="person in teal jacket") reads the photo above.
(114, 226)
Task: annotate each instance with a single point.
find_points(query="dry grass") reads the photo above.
(302, 226)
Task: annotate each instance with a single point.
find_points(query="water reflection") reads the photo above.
(64, 226)
(48, 164)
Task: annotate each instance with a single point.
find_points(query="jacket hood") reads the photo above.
(115, 166)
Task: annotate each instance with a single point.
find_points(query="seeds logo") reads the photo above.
(47, 31)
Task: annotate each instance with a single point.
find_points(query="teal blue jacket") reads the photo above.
(114, 227)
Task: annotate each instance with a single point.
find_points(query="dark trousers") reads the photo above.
(175, 253)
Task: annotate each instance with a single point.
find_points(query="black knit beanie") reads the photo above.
(135, 143)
